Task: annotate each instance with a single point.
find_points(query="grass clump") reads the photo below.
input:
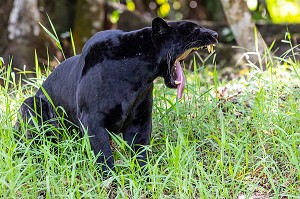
(225, 139)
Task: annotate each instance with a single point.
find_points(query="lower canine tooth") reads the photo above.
(177, 82)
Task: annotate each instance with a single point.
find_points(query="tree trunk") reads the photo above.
(239, 20)
(89, 20)
(5, 9)
(22, 32)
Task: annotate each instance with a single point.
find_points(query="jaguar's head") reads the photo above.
(176, 41)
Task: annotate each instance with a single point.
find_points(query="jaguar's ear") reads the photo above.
(159, 26)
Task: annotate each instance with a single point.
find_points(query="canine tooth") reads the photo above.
(210, 48)
(177, 82)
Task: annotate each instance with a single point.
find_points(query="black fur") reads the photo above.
(39, 109)
(109, 86)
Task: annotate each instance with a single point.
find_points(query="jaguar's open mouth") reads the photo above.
(177, 68)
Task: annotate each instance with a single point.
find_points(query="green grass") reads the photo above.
(224, 139)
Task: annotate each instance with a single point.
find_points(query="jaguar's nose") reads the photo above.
(207, 31)
(214, 34)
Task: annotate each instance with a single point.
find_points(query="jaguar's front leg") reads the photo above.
(138, 133)
(99, 140)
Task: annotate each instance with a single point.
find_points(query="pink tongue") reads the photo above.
(180, 78)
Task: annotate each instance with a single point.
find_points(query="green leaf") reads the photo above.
(72, 42)
(1, 61)
(49, 33)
